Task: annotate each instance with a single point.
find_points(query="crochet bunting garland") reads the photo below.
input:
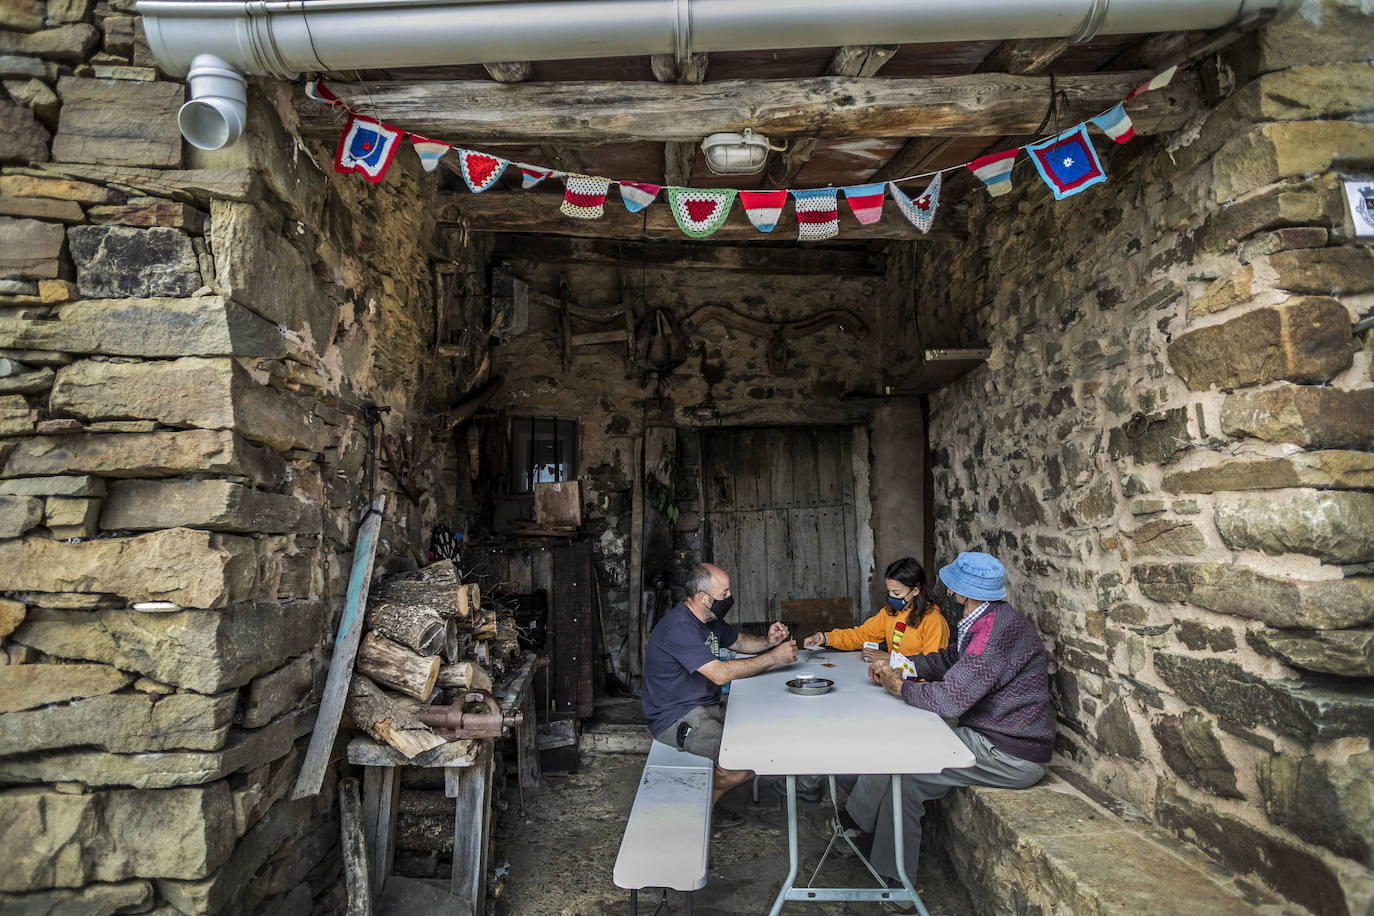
(818, 215)
(1067, 163)
(429, 151)
(584, 196)
(637, 195)
(480, 170)
(920, 211)
(763, 207)
(866, 200)
(700, 212)
(531, 175)
(367, 147)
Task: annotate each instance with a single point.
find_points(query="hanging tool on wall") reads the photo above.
(778, 332)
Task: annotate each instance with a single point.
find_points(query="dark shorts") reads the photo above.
(705, 724)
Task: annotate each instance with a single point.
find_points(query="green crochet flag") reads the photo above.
(700, 212)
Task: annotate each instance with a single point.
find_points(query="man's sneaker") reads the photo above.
(896, 906)
(810, 794)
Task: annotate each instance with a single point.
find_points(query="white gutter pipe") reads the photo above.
(284, 38)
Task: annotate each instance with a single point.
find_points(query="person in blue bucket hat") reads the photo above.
(993, 679)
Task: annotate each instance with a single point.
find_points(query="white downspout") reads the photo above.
(284, 38)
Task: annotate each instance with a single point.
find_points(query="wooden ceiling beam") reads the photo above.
(1024, 56)
(511, 71)
(530, 212)
(850, 60)
(695, 255)
(830, 107)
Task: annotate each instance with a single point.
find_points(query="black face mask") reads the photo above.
(721, 606)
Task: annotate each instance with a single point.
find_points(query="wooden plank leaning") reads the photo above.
(311, 777)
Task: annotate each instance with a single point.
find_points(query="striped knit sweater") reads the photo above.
(998, 686)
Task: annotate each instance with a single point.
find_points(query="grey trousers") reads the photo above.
(870, 801)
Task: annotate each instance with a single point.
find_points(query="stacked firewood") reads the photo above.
(430, 638)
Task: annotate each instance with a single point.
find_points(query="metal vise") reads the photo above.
(452, 722)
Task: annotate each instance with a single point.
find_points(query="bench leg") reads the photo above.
(471, 821)
(688, 910)
(634, 903)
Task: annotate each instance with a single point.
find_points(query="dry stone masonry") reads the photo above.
(1171, 448)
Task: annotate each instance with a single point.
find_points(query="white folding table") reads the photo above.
(855, 728)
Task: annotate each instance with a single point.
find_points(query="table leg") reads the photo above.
(470, 822)
(791, 846)
(901, 844)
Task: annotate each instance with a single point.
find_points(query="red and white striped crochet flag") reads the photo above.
(1116, 123)
(429, 151)
(763, 207)
(531, 175)
(480, 170)
(818, 214)
(995, 171)
(920, 211)
(866, 200)
(584, 196)
(1158, 81)
(637, 195)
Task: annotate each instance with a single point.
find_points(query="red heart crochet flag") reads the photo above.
(763, 207)
(818, 215)
(480, 170)
(919, 210)
(1158, 81)
(531, 175)
(1116, 124)
(430, 151)
(636, 195)
(700, 212)
(366, 146)
(866, 200)
(1068, 163)
(584, 196)
(995, 171)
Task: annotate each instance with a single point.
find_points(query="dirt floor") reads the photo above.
(557, 860)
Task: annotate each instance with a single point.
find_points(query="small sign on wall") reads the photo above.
(1359, 193)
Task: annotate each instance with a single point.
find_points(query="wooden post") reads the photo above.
(356, 881)
(381, 797)
(471, 788)
(388, 662)
(336, 686)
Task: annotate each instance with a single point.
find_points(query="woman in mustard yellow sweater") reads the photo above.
(910, 623)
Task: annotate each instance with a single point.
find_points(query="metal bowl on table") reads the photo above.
(808, 685)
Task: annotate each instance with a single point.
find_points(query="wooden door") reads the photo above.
(780, 516)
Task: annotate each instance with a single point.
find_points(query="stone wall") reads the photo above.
(189, 342)
(1172, 449)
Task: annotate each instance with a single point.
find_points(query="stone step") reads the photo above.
(1050, 848)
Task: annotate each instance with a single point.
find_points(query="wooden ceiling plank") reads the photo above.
(831, 107)
(526, 212)
(629, 254)
(914, 158)
(1024, 56)
(863, 61)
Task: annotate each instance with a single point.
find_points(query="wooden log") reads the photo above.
(826, 107)
(451, 641)
(388, 662)
(356, 880)
(385, 719)
(438, 590)
(416, 627)
(463, 676)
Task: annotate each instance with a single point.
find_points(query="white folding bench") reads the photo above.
(667, 838)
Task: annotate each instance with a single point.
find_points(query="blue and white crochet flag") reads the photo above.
(920, 211)
(637, 195)
(429, 151)
(1116, 123)
(1068, 163)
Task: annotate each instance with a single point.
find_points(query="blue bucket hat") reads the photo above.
(975, 575)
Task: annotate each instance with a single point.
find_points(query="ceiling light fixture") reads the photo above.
(737, 154)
